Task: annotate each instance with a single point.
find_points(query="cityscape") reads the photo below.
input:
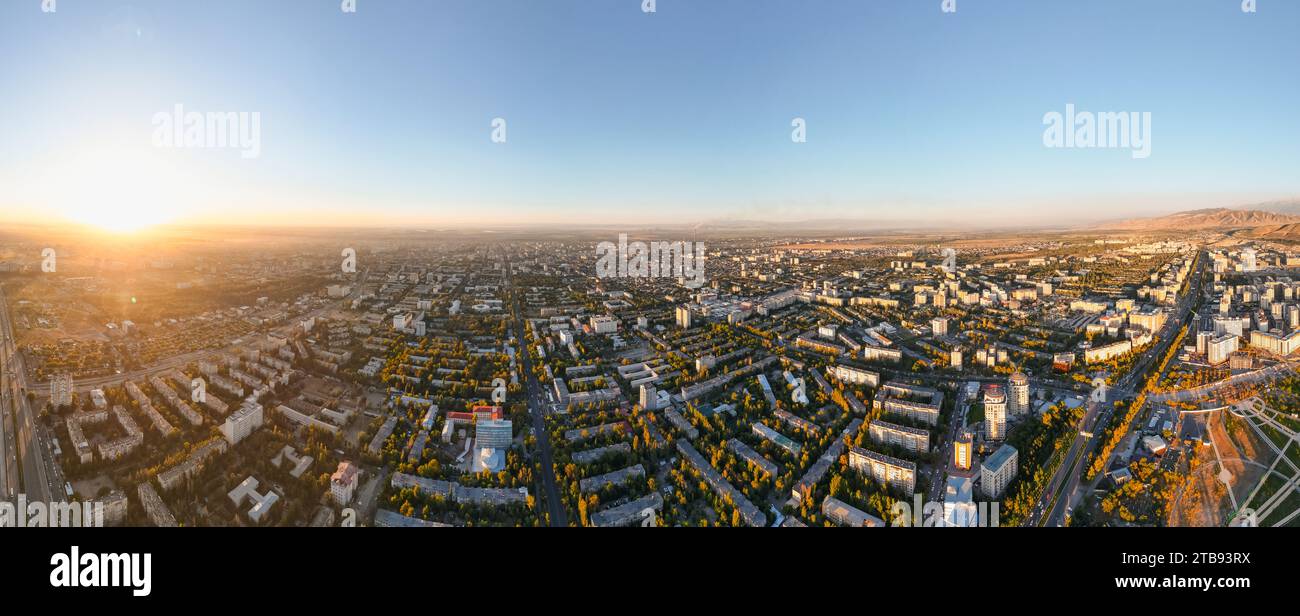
(648, 264)
(286, 378)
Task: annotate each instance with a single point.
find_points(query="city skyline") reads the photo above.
(385, 117)
(580, 264)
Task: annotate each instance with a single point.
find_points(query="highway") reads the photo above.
(1051, 510)
(180, 361)
(9, 482)
(41, 479)
(537, 409)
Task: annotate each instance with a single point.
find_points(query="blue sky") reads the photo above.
(384, 116)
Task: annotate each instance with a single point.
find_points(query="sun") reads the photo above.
(120, 212)
(115, 191)
(118, 223)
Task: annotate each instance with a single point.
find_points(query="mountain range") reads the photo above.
(1210, 219)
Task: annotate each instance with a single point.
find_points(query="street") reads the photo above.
(1051, 510)
(537, 410)
(41, 479)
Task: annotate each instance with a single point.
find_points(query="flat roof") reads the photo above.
(1000, 456)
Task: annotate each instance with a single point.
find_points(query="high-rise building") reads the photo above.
(963, 452)
(604, 324)
(1248, 260)
(995, 412)
(684, 317)
(61, 390)
(243, 422)
(1018, 394)
(954, 359)
(939, 326)
(998, 470)
(649, 397)
(1202, 342)
(1218, 349)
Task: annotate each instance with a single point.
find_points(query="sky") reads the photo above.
(614, 115)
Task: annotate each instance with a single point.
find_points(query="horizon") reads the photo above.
(812, 227)
(539, 264)
(367, 119)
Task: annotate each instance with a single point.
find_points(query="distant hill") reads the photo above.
(1211, 219)
(1281, 206)
(1273, 232)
